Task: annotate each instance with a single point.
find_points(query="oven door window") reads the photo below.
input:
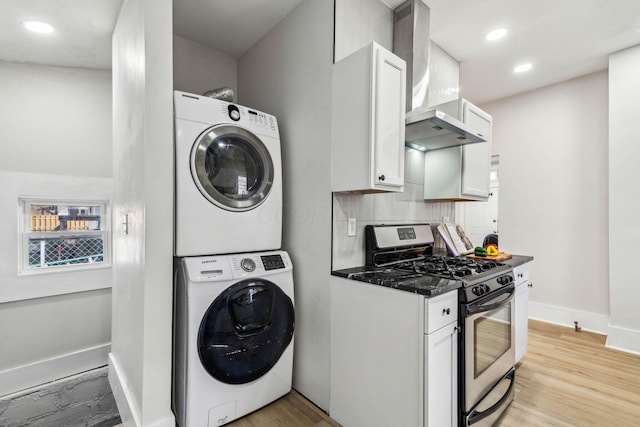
(492, 332)
(232, 168)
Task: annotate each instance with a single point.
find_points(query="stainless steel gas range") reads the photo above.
(401, 257)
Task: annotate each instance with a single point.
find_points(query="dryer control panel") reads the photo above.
(189, 106)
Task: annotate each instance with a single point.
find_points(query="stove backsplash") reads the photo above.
(384, 208)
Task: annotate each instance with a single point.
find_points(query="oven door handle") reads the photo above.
(509, 294)
(476, 416)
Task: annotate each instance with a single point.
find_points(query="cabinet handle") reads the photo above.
(446, 311)
(381, 177)
(457, 329)
(530, 285)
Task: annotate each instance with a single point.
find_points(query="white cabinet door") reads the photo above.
(441, 382)
(389, 119)
(521, 274)
(476, 158)
(367, 147)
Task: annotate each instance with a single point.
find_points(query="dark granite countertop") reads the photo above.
(428, 286)
(517, 260)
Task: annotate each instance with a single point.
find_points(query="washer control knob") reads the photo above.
(247, 264)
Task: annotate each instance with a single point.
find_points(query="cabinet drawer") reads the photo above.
(440, 311)
(521, 273)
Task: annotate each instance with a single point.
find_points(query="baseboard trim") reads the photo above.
(627, 340)
(24, 377)
(592, 322)
(127, 407)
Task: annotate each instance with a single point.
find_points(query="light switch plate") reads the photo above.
(351, 227)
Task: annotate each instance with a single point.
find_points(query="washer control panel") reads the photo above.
(272, 262)
(226, 267)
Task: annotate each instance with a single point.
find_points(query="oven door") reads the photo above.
(489, 350)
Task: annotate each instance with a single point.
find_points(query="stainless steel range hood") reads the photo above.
(426, 128)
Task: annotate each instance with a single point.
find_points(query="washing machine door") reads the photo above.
(232, 168)
(245, 331)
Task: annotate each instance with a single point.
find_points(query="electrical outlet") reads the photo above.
(351, 227)
(445, 219)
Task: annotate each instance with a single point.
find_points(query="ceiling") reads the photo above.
(228, 26)
(562, 39)
(82, 37)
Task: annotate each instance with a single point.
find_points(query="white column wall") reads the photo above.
(140, 361)
(288, 74)
(624, 201)
(552, 144)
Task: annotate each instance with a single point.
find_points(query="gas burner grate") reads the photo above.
(448, 267)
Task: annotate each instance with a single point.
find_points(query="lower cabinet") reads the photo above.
(521, 274)
(394, 357)
(441, 384)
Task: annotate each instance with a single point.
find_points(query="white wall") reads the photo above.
(624, 227)
(55, 126)
(288, 74)
(552, 144)
(358, 23)
(198, 69)
(140, 362)
(55, 120)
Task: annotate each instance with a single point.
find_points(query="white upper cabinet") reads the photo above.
(460, 173)
(368, 121)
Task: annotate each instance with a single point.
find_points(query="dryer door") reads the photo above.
(232, 168)
(245, 331)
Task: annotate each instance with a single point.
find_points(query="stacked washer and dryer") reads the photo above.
(233, 305)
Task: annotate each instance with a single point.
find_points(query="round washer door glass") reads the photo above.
(245, 331)
(232, 168)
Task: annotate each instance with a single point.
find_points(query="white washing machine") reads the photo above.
(228, 175)
(233, 335)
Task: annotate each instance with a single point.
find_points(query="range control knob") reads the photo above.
(478, 290)
(504, 280)
(247, 264)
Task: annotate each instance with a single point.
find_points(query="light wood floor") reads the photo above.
(292, 410)
(567, 378)
(570, 378)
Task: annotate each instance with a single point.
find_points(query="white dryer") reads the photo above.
(233, 335)
(228, 176)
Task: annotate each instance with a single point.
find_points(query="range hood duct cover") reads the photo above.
(426, 128)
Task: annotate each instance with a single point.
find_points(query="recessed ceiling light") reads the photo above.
(522, 68)
(38, 27)
(497, 34)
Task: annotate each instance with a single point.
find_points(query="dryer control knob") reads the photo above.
(234, 113)
(247, 264)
